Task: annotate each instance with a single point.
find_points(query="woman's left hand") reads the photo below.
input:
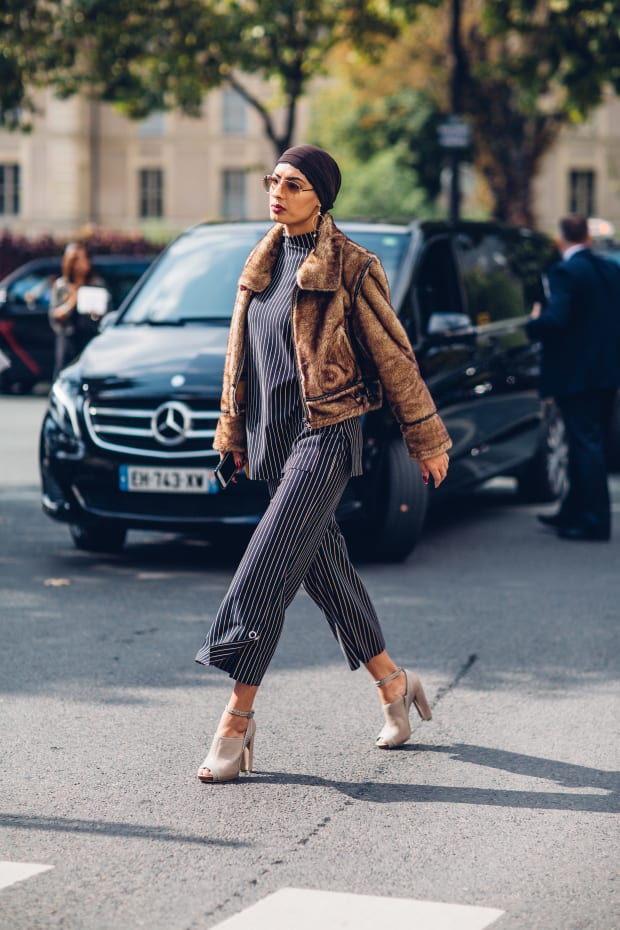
(435, 467)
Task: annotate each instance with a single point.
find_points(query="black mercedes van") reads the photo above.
(127, 438)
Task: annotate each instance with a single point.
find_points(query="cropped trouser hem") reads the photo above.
(235, 666)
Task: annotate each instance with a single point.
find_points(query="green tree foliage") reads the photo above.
(533, 67)
(381, 187)
(368, 131)
(25, 28)
(530, 67)
(154, 54)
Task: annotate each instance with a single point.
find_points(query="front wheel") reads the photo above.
(98, 538)
(399, 508)
(545, 477)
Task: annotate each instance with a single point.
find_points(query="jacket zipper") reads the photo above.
(301, 386)
(236, 379)
(360, 280)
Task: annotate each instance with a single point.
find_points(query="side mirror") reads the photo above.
(93, 301)
(449, 324)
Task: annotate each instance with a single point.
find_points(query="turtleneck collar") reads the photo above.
(302, 243)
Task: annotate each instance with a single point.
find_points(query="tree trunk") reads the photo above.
(280, 140)
(509, 147)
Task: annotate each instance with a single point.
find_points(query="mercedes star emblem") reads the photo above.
(171, 422)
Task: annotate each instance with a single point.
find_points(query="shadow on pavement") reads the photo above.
(565, 774)
(109, 828)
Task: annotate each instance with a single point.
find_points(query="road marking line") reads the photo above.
(11, 872)
(306, 909)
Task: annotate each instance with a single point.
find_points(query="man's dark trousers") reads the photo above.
(580, 333)
(587, 417)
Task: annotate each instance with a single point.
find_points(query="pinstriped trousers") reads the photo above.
(296, 542)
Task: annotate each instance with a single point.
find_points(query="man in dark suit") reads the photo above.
(580, 334)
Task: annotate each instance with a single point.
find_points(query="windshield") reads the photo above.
(389, 246)
(196, 279)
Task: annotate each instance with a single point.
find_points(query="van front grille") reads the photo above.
(161, 429)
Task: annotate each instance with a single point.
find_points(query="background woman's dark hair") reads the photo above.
(574, 228)
(68, 265)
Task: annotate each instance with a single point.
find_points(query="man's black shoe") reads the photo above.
(581, 533)
(550, 519)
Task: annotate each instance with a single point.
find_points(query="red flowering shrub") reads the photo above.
(16, 249)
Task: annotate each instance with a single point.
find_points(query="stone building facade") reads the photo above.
(581, 174)
(84, 163)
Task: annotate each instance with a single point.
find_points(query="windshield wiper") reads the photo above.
(178, 321)
(205, 319)
(147, 321)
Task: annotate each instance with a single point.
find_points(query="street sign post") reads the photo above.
(454, 134)
(454, 137)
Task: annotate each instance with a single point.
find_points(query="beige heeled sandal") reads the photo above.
(397, 729)
(230, 755)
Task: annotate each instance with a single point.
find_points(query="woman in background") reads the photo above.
(72, 334)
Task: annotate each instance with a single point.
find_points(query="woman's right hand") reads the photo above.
(239, 458)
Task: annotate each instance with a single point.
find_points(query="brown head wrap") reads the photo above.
(320, 169)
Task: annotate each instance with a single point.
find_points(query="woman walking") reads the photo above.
(314, 344)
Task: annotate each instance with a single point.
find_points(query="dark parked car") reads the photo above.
(26, 338)
(127, 439)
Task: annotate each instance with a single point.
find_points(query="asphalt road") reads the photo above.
(505, 800)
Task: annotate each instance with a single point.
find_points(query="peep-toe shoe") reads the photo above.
(397, 728)
(230, 755)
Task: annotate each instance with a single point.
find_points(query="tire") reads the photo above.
(400, 506)
(98, 537)
(545, 477)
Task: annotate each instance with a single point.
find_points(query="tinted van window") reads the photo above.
(389, 246)
(436, 282)
(493, 289)
(196, 279)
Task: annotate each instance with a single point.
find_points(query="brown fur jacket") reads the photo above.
(349, 344)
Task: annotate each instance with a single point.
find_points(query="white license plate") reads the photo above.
(168, 480)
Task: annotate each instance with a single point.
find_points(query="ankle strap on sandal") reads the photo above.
(239, 713)
(391, 677)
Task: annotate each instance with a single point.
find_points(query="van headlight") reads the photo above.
(63, 408)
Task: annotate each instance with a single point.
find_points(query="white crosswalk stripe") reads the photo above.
(306, 909)
(12, 872)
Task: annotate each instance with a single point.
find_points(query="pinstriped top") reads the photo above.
(275, 416)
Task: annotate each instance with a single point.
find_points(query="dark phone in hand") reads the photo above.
(226, 470)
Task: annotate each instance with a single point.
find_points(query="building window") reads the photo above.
(151, 192)
(152, 125)
(233, 195)
(9, 190)
(234, 113)
(582, 193)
